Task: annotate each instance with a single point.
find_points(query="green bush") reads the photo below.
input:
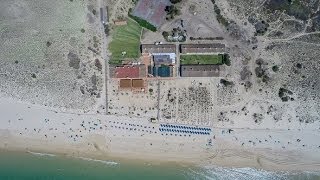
(275, 68)
(143, 23)
(175, 1)
(226, 59)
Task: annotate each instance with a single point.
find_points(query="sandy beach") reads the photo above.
(26, 127)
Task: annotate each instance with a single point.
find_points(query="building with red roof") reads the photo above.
(127, 72)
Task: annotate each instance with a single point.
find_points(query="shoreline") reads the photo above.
(31, 128)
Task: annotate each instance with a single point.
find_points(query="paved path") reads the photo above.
(104, 55)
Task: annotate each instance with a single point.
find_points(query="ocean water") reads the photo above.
(37, 166)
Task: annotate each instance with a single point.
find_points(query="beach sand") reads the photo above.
(26, 127)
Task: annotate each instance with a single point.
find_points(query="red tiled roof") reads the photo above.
(127, 72)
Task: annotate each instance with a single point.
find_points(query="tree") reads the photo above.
(175, 1)
(226, 83)
(275, 68)
(226, 59)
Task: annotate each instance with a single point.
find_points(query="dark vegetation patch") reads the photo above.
(261, 27)
(275, 68)
(285, 94)
(94, 12)
(300, 9)
(226, 59)
(142, 22)
(221, 19)
(74, 60)
(226, 83)
(261, 70)
(175, 1)
(315, 23)
(257, 118)
(171, 11)
(205, 38)
(245, 74)
(176, 35)
(48, 43)
(98, 64)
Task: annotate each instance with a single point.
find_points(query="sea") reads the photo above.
(39, 166)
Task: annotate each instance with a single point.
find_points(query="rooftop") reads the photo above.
(200, 70)
(127, 72)
(162, 59)
(202, 48)
(161, 48)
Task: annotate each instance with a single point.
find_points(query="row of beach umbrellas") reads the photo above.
(184, 127)
(183, 131)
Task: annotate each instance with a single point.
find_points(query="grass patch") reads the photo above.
(201, 59)
(125, 39)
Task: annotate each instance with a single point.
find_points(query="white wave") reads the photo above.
(100, 161)
(217, 173)
(41, 154)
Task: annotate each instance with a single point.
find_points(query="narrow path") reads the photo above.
(104, 55)
(158, 113)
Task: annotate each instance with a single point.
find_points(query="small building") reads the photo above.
(200, 70)
(127, 72)
(132, 84)
(130, 71)
(103, 16)
(202, 48)
(163, 59)
(125, 83)
(138, 83)
(160, 48)
(120, 22)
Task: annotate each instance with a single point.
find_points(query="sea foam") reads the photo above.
(100, 161)
(41, 154)
(217, 173)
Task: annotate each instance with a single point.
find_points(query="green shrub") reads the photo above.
(275, 68)
(143, 23)
(226, 59)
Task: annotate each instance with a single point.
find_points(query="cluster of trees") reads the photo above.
(142, 22)
(206, 38)
(285, 94)
(172, 11)
(222, 20)
(175, 1)
(261, 71)
(226, 59)
(226, 82)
